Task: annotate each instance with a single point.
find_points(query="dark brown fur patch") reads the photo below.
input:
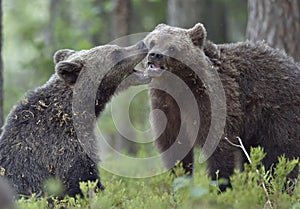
(262, 88)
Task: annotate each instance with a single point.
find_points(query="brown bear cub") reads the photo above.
(261, 87)
(40, 140)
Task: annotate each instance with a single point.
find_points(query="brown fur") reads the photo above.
(262, 89)
(47, 136)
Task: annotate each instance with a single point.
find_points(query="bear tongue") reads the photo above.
(154, 67)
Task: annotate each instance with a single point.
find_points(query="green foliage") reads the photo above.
(149, 13)
(167, 191)
(254, 187)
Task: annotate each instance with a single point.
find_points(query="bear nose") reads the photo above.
(155, 55)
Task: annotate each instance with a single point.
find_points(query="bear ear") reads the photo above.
(62, 54)
(198, 34)
(68, 71)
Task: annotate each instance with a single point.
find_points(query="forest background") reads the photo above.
(33, 30)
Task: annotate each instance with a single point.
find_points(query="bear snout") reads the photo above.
(155, 56)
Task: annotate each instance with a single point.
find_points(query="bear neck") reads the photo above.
(55, 94)
(105, 92)
(190, 77)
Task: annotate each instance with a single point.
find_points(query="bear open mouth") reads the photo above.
(154, 66)
(137, 72)
(154, 70)
(141, 76)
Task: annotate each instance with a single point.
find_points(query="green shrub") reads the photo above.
(255, 187)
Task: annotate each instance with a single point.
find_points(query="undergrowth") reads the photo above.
(255, 187)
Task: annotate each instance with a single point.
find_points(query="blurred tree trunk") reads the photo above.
(277, 22)
(186, 13)
(53, 7)
(121, 20)
(1, 71)
(105, 32)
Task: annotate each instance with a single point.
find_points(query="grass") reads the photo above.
(253, 188)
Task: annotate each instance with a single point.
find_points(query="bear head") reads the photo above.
(109, 63)
(95, 75)
(172, 48)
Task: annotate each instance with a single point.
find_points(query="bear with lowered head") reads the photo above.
(49, 134)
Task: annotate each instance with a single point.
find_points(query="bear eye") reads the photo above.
(152, 43)
(118, 56)
(172, 50)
